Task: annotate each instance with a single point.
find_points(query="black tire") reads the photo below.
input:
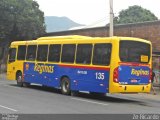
(19, 79)
(65, 86)
(25, 84)
(74, 93)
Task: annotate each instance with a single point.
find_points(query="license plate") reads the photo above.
(134, 81)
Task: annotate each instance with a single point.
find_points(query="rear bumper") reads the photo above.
(116, 88)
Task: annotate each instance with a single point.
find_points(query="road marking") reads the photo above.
(89, 101)
(8, 108)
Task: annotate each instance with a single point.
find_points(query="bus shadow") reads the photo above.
(114, 99)
(40, 88)
(107, 98)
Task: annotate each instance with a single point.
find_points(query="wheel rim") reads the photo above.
(65, 86)
(19, 79)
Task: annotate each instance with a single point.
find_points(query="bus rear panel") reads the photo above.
(133, 72)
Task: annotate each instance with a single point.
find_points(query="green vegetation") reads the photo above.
(134, 14)
(20, 20)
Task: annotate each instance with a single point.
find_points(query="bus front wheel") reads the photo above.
(19, 79)
(65, 86)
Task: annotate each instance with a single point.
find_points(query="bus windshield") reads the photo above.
(134, 51)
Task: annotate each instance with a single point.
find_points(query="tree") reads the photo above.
(134, 14)
(20, 20)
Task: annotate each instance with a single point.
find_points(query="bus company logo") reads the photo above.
(139, 72)
(44, 68)
(27, 66)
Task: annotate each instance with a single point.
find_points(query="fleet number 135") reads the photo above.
(99, 76)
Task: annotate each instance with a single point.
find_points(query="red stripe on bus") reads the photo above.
(85, 67)
(133, 64)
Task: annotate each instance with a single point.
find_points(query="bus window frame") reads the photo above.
(62, 54)
(109, 47)
(12, 60)
(25, 52)
(27, 59)
(59, 53)
(36, 58)
(127, 52)
(84, 60)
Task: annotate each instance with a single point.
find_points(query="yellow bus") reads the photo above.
(98, 65)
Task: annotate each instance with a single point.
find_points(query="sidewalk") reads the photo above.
(149, 96)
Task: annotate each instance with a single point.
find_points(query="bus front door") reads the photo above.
(11, 64)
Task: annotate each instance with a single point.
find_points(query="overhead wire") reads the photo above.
(98, 22)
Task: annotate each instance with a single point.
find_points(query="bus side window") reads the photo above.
(21, 52)
(84, 52)
(54, 53)
(68, 53)
(102, 54)
(31, 52)
(42, 53)
(12, 54)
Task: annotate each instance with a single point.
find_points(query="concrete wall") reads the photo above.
(146, 30)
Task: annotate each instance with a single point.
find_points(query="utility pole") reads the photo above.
(111, 18)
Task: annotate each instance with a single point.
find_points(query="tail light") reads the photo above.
(150, 76)
(115, 75)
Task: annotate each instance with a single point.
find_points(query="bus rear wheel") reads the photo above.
(19, 79)
(65, 86)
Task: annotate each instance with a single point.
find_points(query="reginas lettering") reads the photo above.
(44, 68)
(139, 72)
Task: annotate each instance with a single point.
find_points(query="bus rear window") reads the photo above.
(134, 51)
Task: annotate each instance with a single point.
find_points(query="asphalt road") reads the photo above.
(42, 100)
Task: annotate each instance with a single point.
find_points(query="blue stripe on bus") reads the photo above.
(82, 78)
